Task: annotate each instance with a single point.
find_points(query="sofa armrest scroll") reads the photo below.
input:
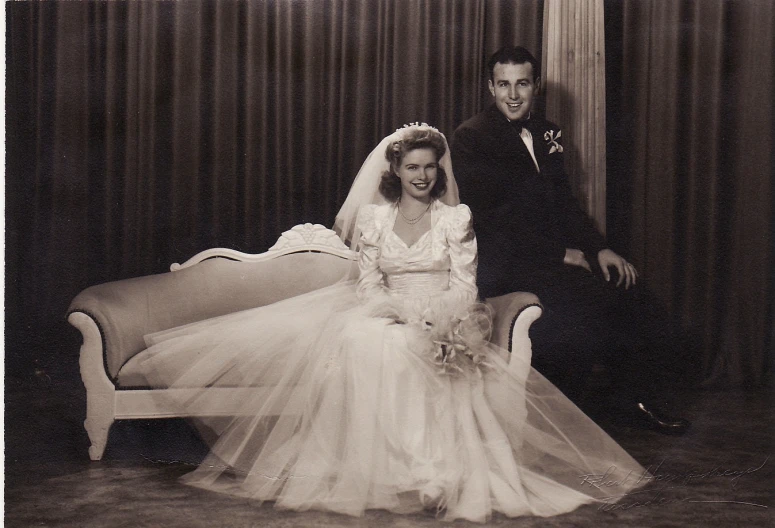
(513, 315)
(124, 311)
(127, 310)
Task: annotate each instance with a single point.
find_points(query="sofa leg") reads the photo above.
(100, 391)
(99, 418)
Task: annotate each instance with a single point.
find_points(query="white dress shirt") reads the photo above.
(527, 138)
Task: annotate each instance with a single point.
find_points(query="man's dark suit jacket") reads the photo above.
(524, 219)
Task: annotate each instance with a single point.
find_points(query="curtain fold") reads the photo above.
(573, 81)
(143, 132)
(139, 133)
(694, 128)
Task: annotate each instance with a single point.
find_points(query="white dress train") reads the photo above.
(348, 406)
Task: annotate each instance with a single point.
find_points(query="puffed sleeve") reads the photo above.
(370, 286)
(463, 256)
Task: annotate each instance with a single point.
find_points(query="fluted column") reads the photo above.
(573, 81)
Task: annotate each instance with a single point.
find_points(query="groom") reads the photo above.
(533, 236)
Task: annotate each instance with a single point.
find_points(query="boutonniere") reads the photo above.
(551, 139)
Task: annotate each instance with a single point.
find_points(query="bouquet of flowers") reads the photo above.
(457, 337)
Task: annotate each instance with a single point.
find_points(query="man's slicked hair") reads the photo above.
(513, 55)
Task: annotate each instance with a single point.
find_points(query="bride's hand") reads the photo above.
(410, 309)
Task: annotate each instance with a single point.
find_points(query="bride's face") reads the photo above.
(418, 173)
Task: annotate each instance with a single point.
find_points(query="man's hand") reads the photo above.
(627, 272)
(575, 257)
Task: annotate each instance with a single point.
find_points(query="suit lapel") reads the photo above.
(539, 145)
(508, 143)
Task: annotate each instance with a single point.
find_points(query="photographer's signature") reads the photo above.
(669, 483)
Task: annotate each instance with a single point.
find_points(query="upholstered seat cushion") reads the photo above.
(128, 310)
(130, 376)
(505, 310)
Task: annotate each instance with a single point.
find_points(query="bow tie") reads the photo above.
(519, 124)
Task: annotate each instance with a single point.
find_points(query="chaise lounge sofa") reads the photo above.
(114, 317)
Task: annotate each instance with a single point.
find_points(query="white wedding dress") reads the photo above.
(352, 411)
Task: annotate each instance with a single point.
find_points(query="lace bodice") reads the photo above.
(441, 262)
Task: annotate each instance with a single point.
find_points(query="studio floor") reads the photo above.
(721, 474)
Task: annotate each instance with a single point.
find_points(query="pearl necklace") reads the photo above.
(412, 221)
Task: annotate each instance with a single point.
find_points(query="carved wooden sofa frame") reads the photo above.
(114, 317)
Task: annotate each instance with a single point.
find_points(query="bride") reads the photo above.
(384, 392)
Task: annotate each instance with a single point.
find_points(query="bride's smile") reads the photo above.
(418, 174)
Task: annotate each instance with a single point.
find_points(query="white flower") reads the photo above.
(551, 138)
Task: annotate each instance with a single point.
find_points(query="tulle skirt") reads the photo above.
(342, 409)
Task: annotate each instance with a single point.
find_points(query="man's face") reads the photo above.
(514, 88)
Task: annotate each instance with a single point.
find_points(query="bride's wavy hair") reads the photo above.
(390, 184)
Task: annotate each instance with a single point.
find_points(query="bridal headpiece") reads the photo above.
(365, 187)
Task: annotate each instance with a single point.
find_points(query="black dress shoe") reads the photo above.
(645, 417)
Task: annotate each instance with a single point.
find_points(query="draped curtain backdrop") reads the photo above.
(573, 81)
(691, 168)
(139, 133)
